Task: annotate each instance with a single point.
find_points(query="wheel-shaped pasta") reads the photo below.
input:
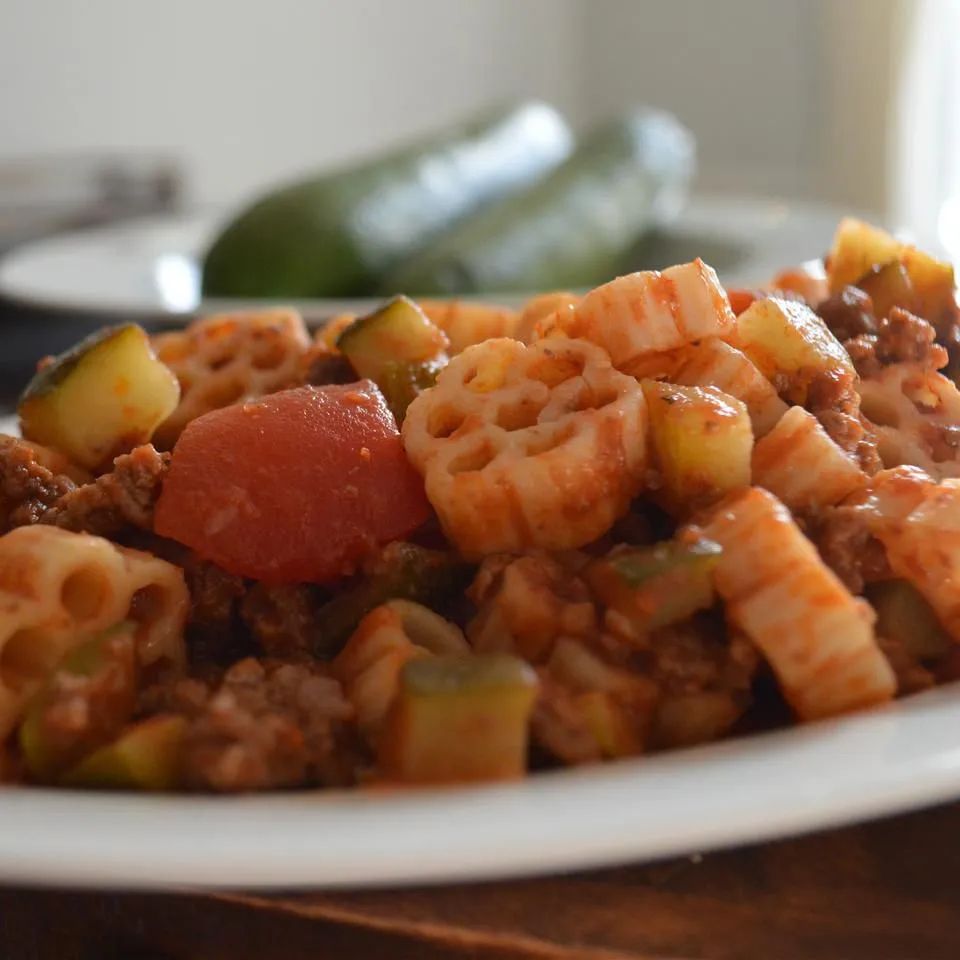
(466, 322)
(917, 416)
(369, 665)
(799, 463)
(528, 446)
(817, 637)
(918, 522)
(229, 357)
(649, 312)
(57, 588)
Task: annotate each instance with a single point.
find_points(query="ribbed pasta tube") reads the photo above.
(799, 463)
(369, 665)
(229, 357)
(57, 588)
(466, 322)
(528, 446)
(713, 363)
(817, 637)
(649, 312)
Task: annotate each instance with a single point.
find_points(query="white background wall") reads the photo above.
(250, 92)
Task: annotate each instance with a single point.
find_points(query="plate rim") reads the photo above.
(740, 211)
(337, 839)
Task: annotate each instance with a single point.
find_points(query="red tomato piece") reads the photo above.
(740, 299)
(297, 486)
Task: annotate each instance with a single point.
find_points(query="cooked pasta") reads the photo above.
(466, 322)
(649, 312)
(817, 637)
(916, 413)
(918, 522)
(513, 438)
(540, 313)
(385, 639)
(799, 462)
(230, 357)
(59, 588)
(601, 526)
(713, 363)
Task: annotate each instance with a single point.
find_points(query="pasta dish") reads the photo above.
(451, 542)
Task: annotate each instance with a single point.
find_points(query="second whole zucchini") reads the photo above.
(332, 235)
(573, 228)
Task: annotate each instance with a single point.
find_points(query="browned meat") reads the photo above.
(848, 547)
(836, 404)
(265, 725)
(124, 497)
(27, 487)
(228, 612)
(848, 313)
(282, 618)
(324, 366)
(900, 338)
(696, 655)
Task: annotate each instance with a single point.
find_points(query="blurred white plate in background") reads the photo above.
(152, 265)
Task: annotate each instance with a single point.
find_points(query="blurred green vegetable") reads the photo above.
(334, 234)
(572, 228)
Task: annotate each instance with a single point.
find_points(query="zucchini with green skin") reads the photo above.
(144, 757)
(101, 398)
(398, 348)
(333, 235)
(459, 719)
(653, 587)
(574, 228)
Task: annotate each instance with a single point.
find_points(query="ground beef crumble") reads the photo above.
(848, 313)
(836, 404)
(900, 338)
(848, 547)
(27, 488)
(283, 619)
(263, 725)
(124, 497)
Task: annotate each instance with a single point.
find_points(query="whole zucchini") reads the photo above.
(573, 228)
(333, 235)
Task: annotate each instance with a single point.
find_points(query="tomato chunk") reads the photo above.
(297, 486)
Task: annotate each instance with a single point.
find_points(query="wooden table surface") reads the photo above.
(888, 890)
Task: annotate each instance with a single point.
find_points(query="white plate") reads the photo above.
(739, 791)
(828, 773)
(151, 266)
